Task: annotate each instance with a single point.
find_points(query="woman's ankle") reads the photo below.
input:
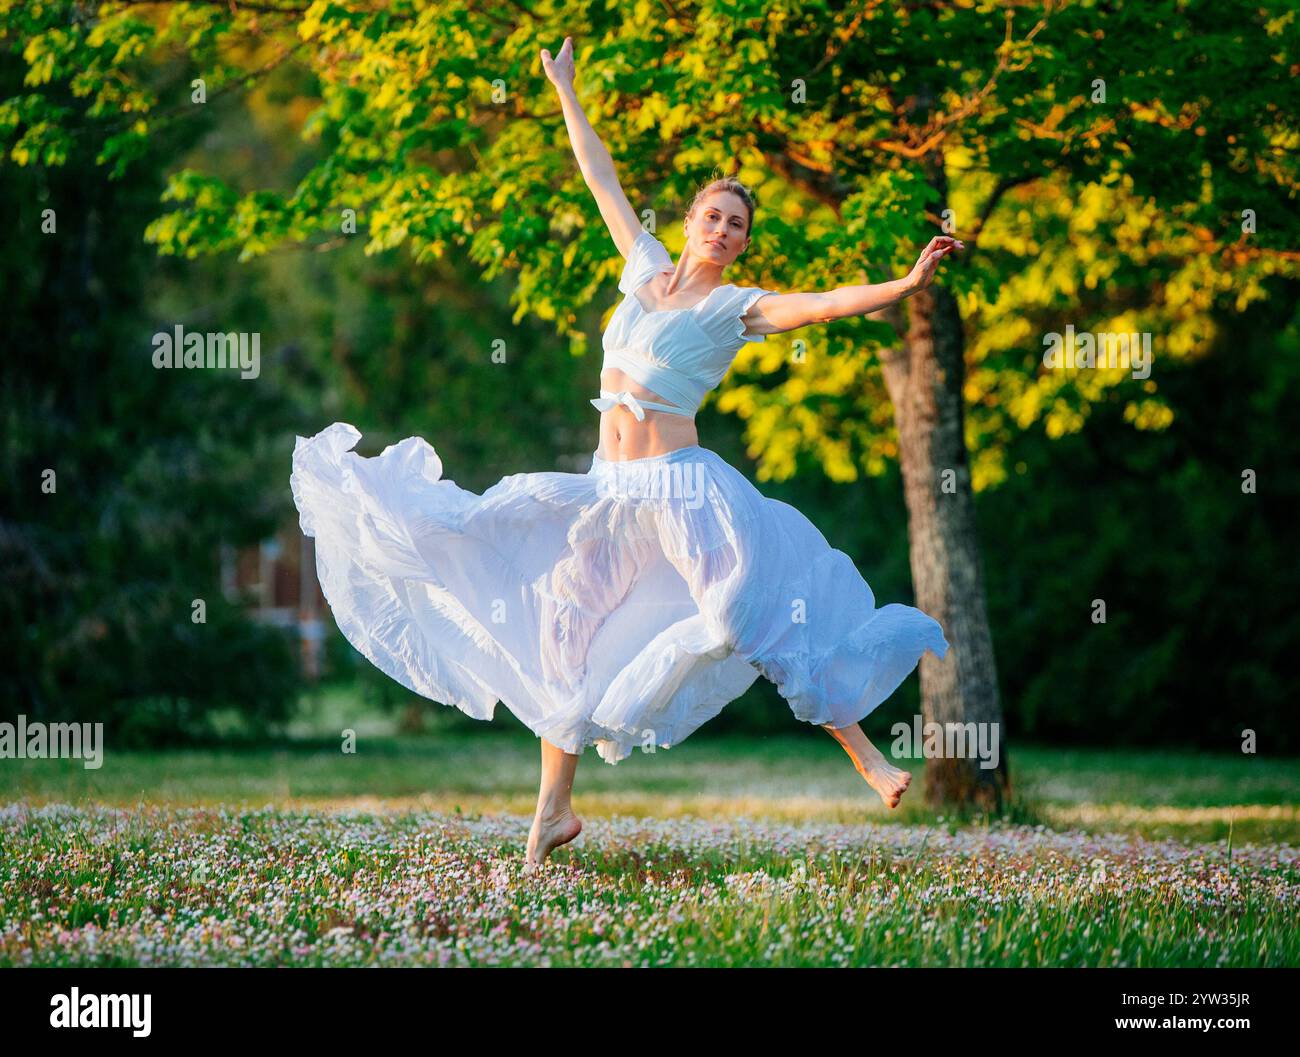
(554, 808)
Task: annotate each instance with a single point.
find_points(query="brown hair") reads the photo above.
(726, 183)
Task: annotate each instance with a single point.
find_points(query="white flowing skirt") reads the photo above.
(622, 607)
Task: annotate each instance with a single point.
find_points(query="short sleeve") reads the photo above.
(647, 257)
(724, 321)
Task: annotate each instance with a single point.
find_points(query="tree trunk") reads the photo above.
(924, 377)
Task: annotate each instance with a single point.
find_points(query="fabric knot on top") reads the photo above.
(607, 400)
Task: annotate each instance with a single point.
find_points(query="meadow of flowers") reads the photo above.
(183, 885)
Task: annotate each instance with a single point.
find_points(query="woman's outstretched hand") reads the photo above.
(560, 69)
(939, 247)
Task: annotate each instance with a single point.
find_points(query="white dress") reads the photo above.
(622, 607)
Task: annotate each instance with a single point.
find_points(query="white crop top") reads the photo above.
(679, 353)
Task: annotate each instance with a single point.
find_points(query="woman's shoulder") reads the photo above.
(723, 315)
(646, 257)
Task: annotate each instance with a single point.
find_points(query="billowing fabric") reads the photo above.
(678, 353)
(621, 607)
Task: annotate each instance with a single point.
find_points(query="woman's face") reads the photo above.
(717, 230)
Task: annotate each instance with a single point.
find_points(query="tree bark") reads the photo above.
(924, 377)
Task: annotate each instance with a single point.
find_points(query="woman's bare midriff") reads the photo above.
(623, 437)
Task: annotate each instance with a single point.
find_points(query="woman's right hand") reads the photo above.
(560, 69)
(923, 271)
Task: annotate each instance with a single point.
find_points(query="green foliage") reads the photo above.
(434, 123)
(1197, 574)
(436, 126)
(152, 472)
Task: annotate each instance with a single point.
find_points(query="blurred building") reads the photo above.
(278, 578)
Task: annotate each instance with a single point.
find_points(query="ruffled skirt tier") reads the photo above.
(621, 608)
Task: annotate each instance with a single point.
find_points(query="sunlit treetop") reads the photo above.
(1125, 167)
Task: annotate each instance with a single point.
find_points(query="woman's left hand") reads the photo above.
(939, 247)
(560, 70)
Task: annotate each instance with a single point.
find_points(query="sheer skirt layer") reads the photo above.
(620, 608)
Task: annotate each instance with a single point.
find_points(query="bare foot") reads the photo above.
(889, 781)
(547, 834)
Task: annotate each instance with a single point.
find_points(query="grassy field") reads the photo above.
(750, 851)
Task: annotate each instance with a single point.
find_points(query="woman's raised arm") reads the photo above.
(593, 156)
(775, 313)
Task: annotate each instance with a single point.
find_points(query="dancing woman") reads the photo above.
(626, 606)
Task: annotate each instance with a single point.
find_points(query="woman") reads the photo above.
(625, 606)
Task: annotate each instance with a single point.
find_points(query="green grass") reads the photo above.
(720, 851)
(216, 886)
(799, 776)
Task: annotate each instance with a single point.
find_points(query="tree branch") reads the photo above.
(1004, 184)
